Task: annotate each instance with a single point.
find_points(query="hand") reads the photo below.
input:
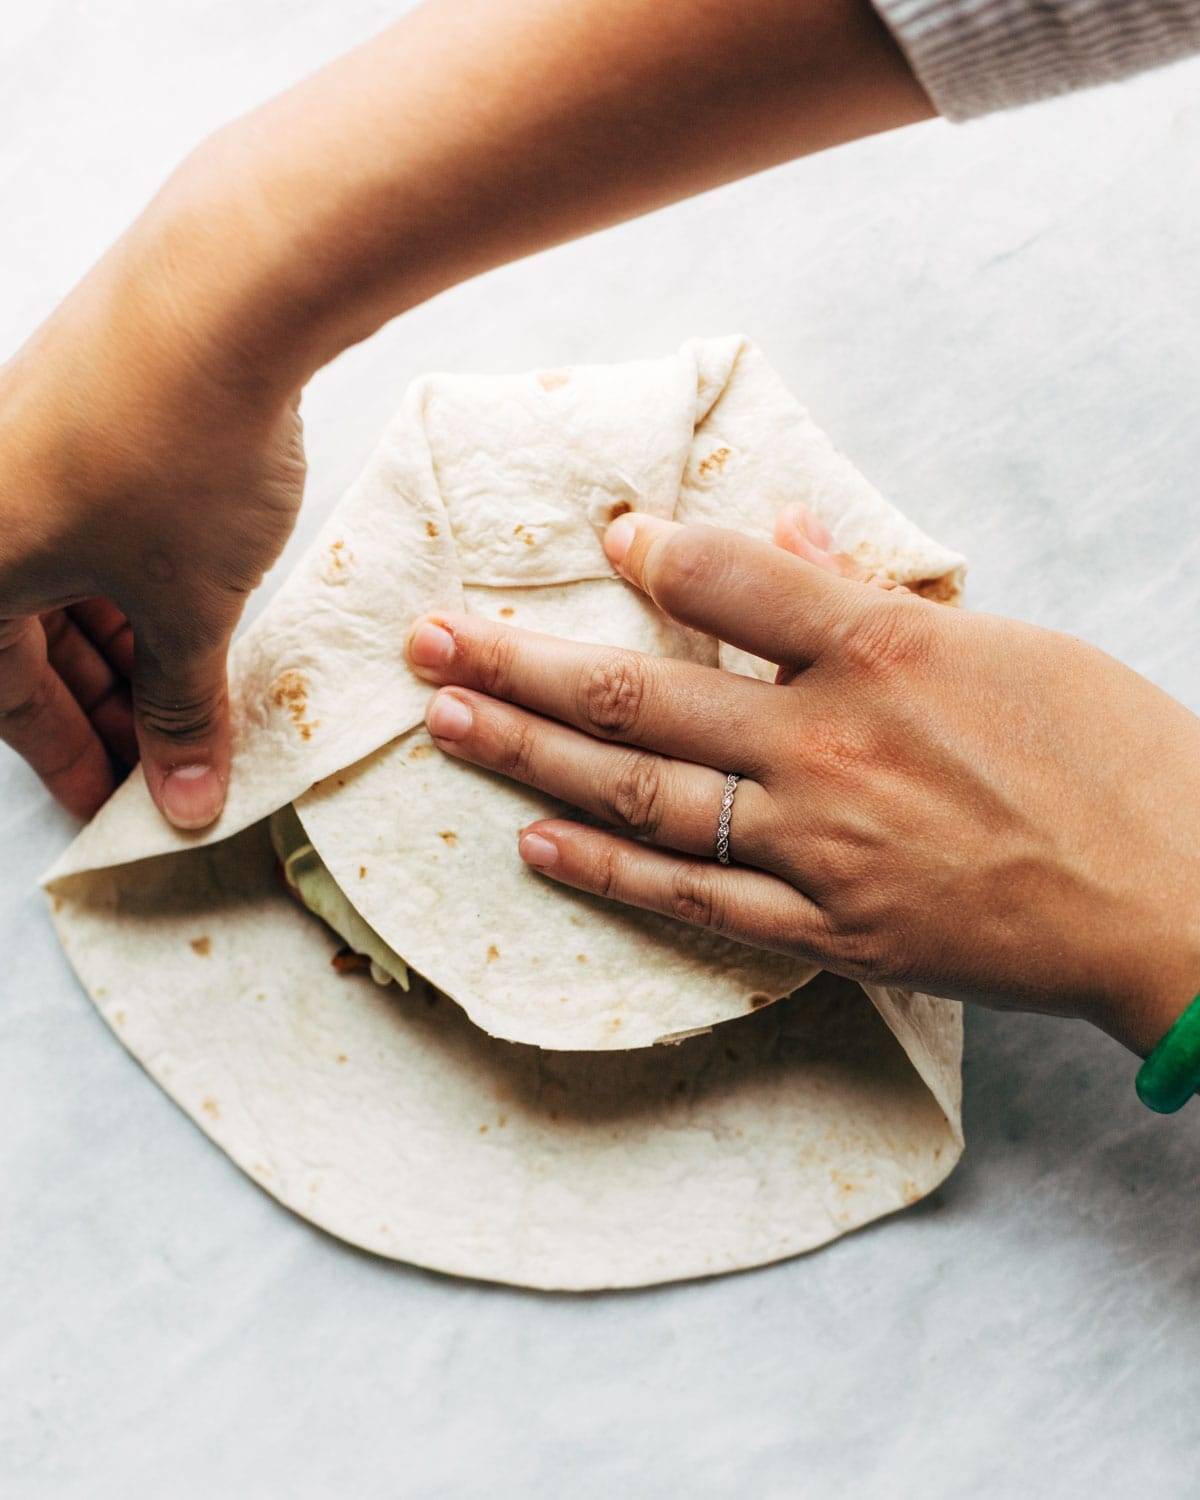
(951, 802)
(145, 490)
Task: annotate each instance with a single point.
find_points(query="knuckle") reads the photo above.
(633, 799)
(494, 664)
(611, 695)
(681, 563)
(183, 720)
(604, 871)
(517, 749)
(25, 702)
(694, 898)
(891, 635)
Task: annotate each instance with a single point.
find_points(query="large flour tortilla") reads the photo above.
(401, 1124)
(492, 493)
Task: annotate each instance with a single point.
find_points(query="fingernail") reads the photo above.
(192, 796)
(431, 646)
(537, 851)
(619, 538)
(448, 718)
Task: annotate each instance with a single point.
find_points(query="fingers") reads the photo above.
(101, 693)
(181, 715)
(45, 725)
(748, 593)
(746, 905)
(677, 708)
(671, 802)
(108, 630)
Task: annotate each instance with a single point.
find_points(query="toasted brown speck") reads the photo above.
(211, 1108)
(507, 612)
(581, 958)
(530, 539)
(553, 380)
(201, 946)
(493, 953)
(431, 528)
(940, 590)
(483, 1130)
(759, 1000)
(420, 752)
(289, 691)
(119, 1017)
(341, 1057)
(362, 872)
(448, 836)
(715, 461)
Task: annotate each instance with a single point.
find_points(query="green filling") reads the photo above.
(306, 874)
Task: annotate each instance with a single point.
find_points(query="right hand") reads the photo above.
(146, 484)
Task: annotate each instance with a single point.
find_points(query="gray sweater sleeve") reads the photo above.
(975, 56)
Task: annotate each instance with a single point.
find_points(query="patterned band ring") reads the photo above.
(731, 782)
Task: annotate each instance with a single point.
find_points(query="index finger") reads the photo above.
(747, 593)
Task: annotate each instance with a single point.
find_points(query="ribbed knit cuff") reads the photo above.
(976, 56)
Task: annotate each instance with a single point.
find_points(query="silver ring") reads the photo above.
(731, 782)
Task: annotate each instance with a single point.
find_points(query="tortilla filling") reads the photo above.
(309, 882)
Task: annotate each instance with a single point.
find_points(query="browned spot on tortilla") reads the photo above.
(909, 1191)
(518, 529)
(448, 836)
(261, 1168)
(530, 539)
(341, 781)
(493, 953)
(581, 958)
(362, 872)
(119, 1017)
(759, 1000)
(619, 508)
(100, 992)
(941, 590)
(502, 1121)
(260, 997)
(715, 461)
(341, 1057)
(483, 1130)
(202, 946)
(431, 528)
(615, 1024)
(289, 692)
(211, 1108)
(507, 612)
(420, 752)
(553, 380)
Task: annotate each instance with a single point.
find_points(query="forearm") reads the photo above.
(473, 133)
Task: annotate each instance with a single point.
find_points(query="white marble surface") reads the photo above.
(999, 323)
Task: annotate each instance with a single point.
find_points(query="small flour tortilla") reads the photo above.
(394, 1123)
(617, 1162)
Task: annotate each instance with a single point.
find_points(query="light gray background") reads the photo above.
(999, 323)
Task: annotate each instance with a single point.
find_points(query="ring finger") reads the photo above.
(671, 802)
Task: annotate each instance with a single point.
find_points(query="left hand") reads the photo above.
(951, 802)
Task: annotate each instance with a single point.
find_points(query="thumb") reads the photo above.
(181, 714)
